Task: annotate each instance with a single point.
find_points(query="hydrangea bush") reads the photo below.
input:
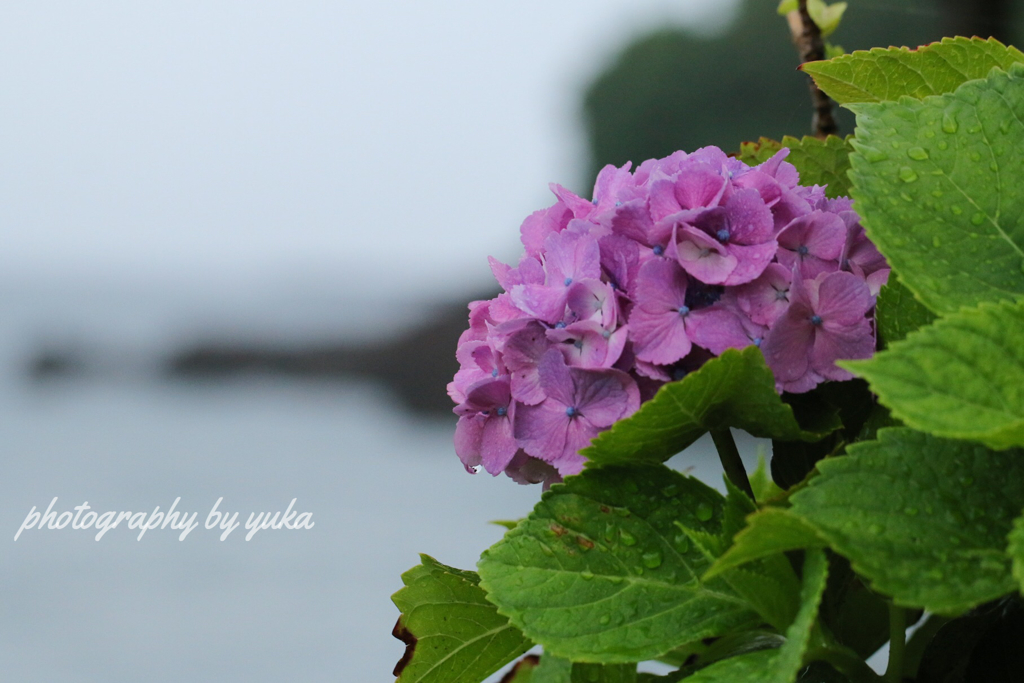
(664, 269)
(877, 341)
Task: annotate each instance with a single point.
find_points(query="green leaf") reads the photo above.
(786, 665)
(819, 162)
(962, 377)
(856, 617)
(898, 313)
(451, 631)
(735, 389)
(523, 671)
(826, 17)
(769, 532)
(554, 669)
(1016, 551)
(764, 488)
(601, 572)
(881, 74)
(748, 668)
(937, 184)
(769, 585)
(924, 519)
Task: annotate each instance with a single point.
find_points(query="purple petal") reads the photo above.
(843, 299)
(788, 345)
(717, 329)
(751, 261)
(750, 221)
(468, 433)
(699, 188)
(556, 379)
(604, 396)
(702, 257)
(497, 445)
(658, 337)
(767, 297)
(538, 225)
(540, 430)
(540, 301)
(661, 286)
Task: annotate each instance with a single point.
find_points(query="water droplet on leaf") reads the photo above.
(949, 123)
(907, 174)
(978, 218)
(627, 538)
(703, 512)
(586, 575)
(874, 155)
(652, 559)
(917, 153)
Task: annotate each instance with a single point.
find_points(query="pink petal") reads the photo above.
(701, 256)
(540, 430)
(468, 433)
(660, 337)
(497, 445)
(716, 329)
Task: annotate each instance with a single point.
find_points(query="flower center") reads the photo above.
(684, 311)
(815, 319)
(802, 250)
(494, 372)
(722, 235)
(659, 250)
(571, 412)
(502, 411)
(568, 281)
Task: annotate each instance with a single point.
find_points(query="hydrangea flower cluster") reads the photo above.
(667, 266)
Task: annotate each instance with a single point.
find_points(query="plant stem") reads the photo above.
(846, 663)
(730, 457)
(808, 41)
(897, 643)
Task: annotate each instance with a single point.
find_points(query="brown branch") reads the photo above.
(807, 38)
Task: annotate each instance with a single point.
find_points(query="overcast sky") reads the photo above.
(384, 144)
